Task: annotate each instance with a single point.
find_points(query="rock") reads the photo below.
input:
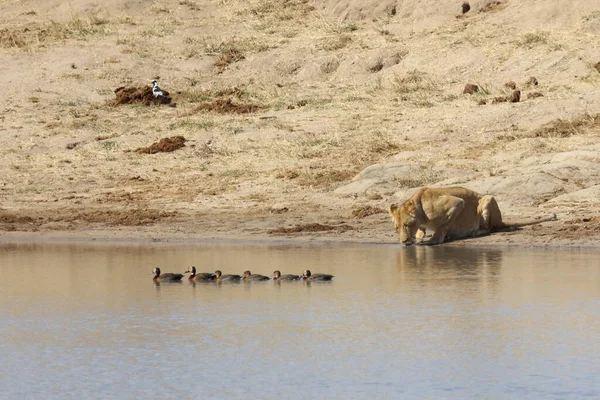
(470, 88)
(515, 96)
(532, 81)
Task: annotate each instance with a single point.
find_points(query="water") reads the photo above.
(86, 321)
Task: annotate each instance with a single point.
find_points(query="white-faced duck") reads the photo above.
(219, 277)
(308, 276)
(249, 276)
(198, 277)
(166, 277)
(288, 277)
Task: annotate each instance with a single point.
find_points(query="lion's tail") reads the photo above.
(509, 226)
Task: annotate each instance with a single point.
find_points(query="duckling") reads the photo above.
(202, 276)
(288, 277)
(308, 276)
(166, 277)
(249, 276)
(219, 277)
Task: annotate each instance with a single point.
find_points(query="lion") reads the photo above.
(451, 213)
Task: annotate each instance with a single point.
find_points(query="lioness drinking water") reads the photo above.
(450, 213)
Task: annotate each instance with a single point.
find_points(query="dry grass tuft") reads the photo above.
(227, 106)
(533, 39)
(561, 129)
(336, 42)
(228, 57)
(413, 81)
(492, 6)
(325, 160)
(279, 11)
(366, 210)
(324, 177)
(39, 34)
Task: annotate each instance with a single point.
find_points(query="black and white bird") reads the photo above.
(156, 91)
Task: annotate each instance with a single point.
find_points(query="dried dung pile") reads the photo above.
(140, 94)
(164, 145)
(226, 106)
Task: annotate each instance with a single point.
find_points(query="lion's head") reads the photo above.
(406, 221)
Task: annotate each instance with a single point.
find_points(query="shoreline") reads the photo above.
(520, 240)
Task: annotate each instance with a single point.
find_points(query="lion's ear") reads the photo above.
(393, 208)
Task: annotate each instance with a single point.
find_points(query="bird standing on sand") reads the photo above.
(156, 91)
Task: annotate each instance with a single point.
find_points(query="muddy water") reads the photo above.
(86, 321)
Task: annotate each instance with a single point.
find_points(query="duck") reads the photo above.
(166, 277)
(202, 276)
(219, 277)
(249, 276)
(308, 276)
(288, 277)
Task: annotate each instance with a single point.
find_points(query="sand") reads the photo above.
(296, 120)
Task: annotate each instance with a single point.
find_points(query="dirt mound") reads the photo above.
(227, 106)
(133, 217)
(164, 145)
(316, 227)
(140, 94)
(10, 218)
(33, 220)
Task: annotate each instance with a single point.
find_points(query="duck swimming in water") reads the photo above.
(249, 276)
(219, 277)
(198, 277)
(166, 277)
(308, 276)
(288, 277)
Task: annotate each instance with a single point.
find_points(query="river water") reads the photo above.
(85, 320)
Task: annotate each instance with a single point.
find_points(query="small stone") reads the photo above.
(470, 88)
(515, 96)
(532, 81)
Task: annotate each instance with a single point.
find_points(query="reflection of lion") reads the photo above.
(452, 213)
